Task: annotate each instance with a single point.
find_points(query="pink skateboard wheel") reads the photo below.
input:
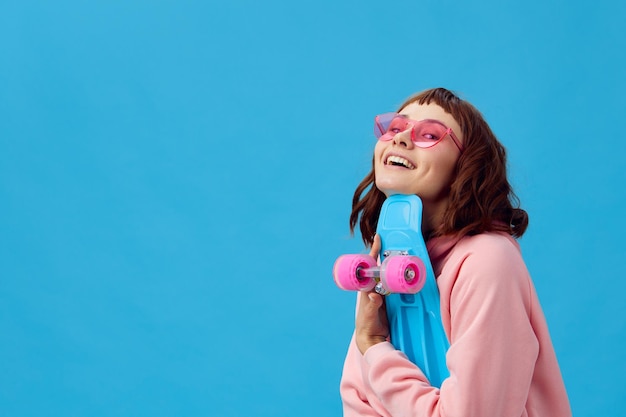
(403, 274)
(346, 272)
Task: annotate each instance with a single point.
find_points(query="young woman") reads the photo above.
(501, 359)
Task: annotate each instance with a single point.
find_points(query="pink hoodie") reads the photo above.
(501, 358)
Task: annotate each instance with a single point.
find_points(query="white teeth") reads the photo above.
(395, 160)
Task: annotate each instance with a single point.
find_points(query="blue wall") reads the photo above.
(176, 178)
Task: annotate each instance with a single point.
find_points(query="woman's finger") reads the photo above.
(375, 247)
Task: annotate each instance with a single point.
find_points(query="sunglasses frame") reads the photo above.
(380, 132)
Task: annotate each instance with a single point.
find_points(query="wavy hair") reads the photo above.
(480, 199)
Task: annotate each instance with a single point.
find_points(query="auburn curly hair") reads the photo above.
(481, 198)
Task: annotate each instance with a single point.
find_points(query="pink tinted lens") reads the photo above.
(427, 133)
(382, 123)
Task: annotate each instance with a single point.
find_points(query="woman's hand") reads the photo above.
(371, 318)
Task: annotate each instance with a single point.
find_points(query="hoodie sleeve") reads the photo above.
(493, 346)
(353, 392)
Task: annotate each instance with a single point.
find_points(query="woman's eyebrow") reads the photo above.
(425, 120)
(434, 121)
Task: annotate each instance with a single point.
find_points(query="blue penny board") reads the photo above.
(414, 319)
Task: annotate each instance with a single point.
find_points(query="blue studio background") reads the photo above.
(176, 178)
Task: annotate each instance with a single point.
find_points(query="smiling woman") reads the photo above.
(402, 166)
(440, 148)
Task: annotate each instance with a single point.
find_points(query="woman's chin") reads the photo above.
(391, 187)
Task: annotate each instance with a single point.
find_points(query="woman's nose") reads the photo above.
(404, 138)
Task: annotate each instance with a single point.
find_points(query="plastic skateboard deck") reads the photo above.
(414, 319)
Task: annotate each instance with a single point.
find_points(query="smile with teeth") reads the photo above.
(399, 161)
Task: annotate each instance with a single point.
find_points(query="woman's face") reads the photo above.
(429, 171)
